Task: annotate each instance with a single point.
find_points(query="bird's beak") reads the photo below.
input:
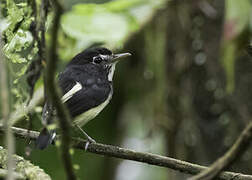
(116, 57)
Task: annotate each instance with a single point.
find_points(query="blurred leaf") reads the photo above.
(237, 21)
(119, 6)
(228, 63)
(103, 26)
(237, 17)
(110, 23)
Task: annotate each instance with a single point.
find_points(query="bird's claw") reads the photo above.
(89, 141)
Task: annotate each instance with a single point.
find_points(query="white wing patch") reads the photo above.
(77, 87)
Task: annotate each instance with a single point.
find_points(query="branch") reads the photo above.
(9, 140)
(233, 154)
(53, 93)
(23, 167)
(127, 154)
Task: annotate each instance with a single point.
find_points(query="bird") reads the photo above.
(87, 87)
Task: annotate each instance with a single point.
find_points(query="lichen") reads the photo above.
(24, 167)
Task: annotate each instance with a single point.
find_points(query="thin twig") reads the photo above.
(239, 147)
(21, 112)
(127, 154)
(37, 29)
(9, 140)
(53, 93)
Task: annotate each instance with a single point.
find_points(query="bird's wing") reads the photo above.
(77, 87)
(87, 99)
(69, 87)
(81, 91)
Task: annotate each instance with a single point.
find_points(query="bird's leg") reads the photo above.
(89, 139)
(86, 135)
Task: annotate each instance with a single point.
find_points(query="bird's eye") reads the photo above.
(97, 60)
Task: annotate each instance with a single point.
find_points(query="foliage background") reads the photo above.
(185, 92)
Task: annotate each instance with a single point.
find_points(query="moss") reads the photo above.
(24, 167)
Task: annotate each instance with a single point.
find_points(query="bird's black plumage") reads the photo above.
(92, 76)
(87, 55)
(95, 87)
(86, 84)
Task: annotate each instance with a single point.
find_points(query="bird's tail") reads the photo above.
(45, 138)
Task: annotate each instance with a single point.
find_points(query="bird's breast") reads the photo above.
(85, 117)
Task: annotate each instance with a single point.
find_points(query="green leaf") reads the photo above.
(109, 23)
(237, 19)
(237, 16)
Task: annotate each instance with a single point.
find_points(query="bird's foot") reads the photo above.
(89, 139)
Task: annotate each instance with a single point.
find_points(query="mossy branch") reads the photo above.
(17, 176)
(23, 167)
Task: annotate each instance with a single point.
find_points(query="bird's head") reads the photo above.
(99, 56)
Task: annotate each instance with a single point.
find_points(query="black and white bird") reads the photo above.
(86, 84)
